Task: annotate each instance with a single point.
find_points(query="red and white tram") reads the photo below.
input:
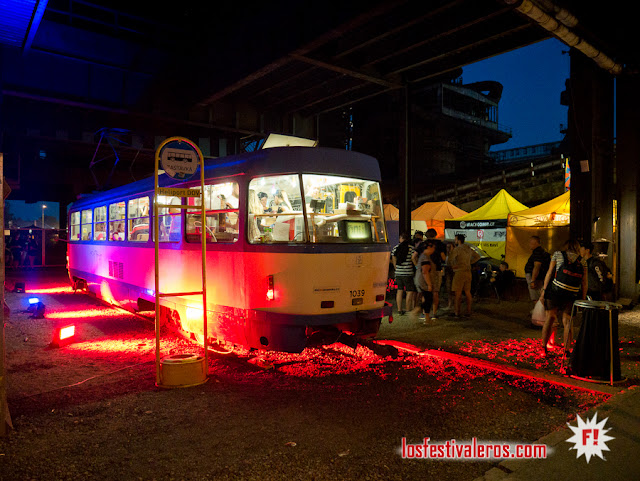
(296, 248)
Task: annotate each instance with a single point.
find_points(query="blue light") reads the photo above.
(20, 20)
(33, 300)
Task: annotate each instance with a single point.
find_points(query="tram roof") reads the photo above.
(277, 160)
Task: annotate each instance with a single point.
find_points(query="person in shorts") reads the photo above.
(565, 281)
(439, 258)
(460, 260)
(403, 265)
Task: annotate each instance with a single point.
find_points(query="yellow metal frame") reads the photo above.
(348, 188)
(156, 238)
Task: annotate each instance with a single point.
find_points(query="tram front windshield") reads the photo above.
(315, 208)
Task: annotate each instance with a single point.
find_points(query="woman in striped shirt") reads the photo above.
(403, 265)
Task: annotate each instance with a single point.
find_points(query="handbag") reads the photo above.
(538, 314)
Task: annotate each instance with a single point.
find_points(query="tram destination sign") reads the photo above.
(170, 191)
(179, 158)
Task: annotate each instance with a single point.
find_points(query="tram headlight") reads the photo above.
(270, 289)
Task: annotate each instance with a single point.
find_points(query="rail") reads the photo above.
(492, 180)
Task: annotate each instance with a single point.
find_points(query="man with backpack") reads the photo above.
(599, 278)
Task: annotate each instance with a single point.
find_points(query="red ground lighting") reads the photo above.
(51, 290)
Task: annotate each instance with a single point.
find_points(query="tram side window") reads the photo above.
(74, 226)
(222, 220)
(138, 219)
(343, 210)
(169, 219)
(86, 225)
(116, 221)
(275, 210)
(100, 223)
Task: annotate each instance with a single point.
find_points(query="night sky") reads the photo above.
(533, 78)
(33, 212)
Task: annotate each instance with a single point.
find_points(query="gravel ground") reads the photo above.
(91, 410)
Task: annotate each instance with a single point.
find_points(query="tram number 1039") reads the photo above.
(357, 293)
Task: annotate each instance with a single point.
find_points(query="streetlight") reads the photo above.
(43, 208)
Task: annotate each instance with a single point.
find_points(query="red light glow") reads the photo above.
(67, 332)
(84, 314)
(124, 346)
(51, 290)
(270, 288)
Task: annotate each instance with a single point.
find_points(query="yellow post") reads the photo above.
(203, 241)
(203, 233)
(157, 275)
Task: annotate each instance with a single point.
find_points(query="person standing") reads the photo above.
(418, 238)
(438, 259)
(460, 260)
(33, 250)
(565, 281)
(423, 279)
(18, 249)
(448, 277)
(403, 265)
(598, 274)
(536, 267)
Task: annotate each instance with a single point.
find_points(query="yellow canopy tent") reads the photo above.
(549, 221)
(486, 226)
(431, 215)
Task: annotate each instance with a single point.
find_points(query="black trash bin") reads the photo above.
(596, 354)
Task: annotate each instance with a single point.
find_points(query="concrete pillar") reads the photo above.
(591, 140)
(602, 154)
(579, 132)
(628, 182)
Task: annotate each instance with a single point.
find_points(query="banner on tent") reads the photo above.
(493, 241)
(493, 249)
(478, 234)
(476, 224)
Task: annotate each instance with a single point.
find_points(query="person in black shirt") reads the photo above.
(503, 279)
(418, 238)
(598, 274)
(536, 267)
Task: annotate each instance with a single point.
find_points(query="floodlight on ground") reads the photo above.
(63, 335)
(36, 309)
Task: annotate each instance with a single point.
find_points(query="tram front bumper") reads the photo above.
(290, 332)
